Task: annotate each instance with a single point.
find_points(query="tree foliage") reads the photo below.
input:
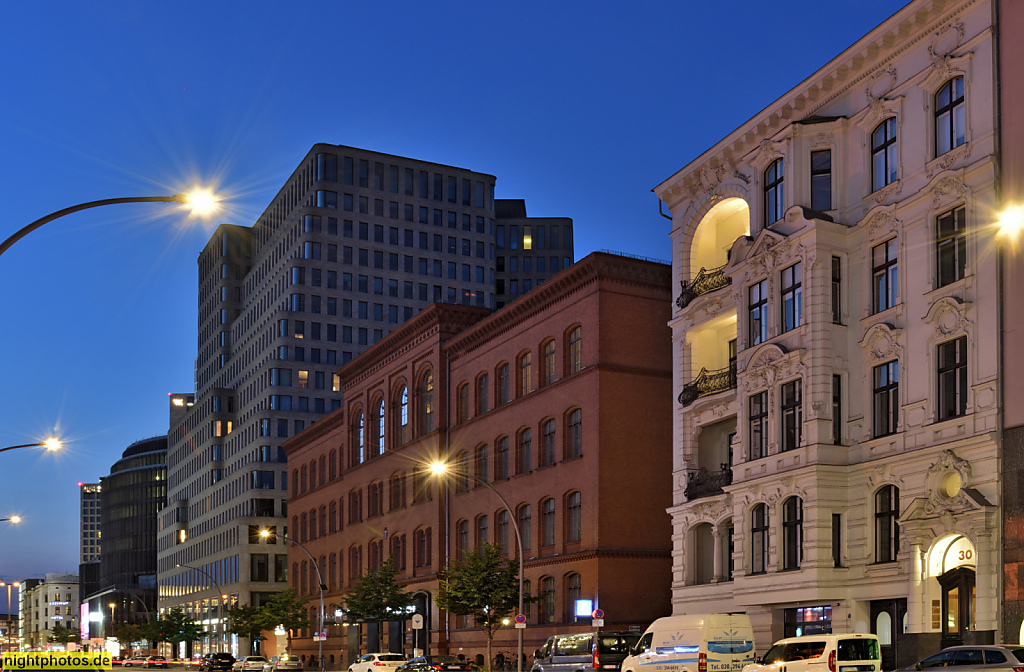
(62, 634)
(286, 608)
(376, 596)
(175, 626)
(247, 621)
(129, 634)
(483, 585)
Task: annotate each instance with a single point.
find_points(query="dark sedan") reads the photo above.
(434, 664)
(992, 657)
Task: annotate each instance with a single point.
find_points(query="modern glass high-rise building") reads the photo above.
(355, 243)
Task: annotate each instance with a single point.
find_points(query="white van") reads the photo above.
(854, 652)
(694, 643)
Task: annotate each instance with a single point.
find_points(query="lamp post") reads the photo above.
(7, 644)
(320, 580)
(199, 202)
(223, 596)
(11, 519)
(440, 468)
(52, 444)
(111, 605)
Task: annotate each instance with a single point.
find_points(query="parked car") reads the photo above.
(378, 662)
(155, 661)
(724, 640)
(216, 661)
(249, 664)
(434, 664)
(853, 652)
(997, 657)
(570, 653)
(134, 661)
(285, 662)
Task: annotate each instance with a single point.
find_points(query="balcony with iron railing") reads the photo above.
(708, 382)
(704, 483)
(705, 282)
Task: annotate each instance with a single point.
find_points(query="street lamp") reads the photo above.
(16, 584)
(223, 596)
(111, 605)
(11, 519)
(265, 533)
(439, 468)
(52, 445)
(200, 202)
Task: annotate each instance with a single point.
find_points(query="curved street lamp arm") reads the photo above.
(205, 573)
(321, 586)
(177, 198)
(24, 445)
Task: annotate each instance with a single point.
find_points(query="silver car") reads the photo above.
(994, 657)
(285, 662)
(249, 664)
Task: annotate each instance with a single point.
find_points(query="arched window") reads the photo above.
(312, 474)
(574, 434)
(421, 485)
(304, 485)
(295, 575)
(574, 351)
(482, 464)
(341, 513)
(332, 571)
(421, 551)
(548, 372)
(501, 459)
(358, 439)
(527, 606)
(774, 192)
(304, 530)
(374, 556)
(547, 520)
(482, 400)
(323, 469)
(883, 154)
(333, 465)
(482, 532)
(887, 530)
(949, 116)
(525, 453)
(574, 517)
(398, 551)
(525, 374)
(305, 572)
(463, 403)
(380, 427)
(396, 491)
(403, 417)
(759, 539)
(526, 526)
(501, 531)
(427, 403)
(792, 532)
(573, 592)
(461, 472)
(323, 520)
(547, 600)
(503, 390)
(333, 517)
(461, 538)
(547, 443)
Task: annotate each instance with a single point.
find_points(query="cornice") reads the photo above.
(595, 267)
(859, 65)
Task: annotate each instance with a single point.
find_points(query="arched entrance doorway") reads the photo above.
(953, 561)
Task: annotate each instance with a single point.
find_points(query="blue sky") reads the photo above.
(581, 108)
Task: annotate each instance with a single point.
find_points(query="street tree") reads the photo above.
(288, 609)
(129, 634)
(248, 621)
(62, 634)
(376, 596)
(174, 627)
(484, 585)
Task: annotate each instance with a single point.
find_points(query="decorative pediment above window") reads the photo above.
(948, 316)
(763, 254)
(880, 222)
(881, 84)
(767, 151)
(944, 64)
(881, 341)
(771, 364)
(948, 160)
(877, 110)
(948, 189)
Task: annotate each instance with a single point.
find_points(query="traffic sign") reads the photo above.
(520, 621)
(597, 623)
(598, 614)
(417, 621)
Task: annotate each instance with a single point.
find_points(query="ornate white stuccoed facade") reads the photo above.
(836, 440)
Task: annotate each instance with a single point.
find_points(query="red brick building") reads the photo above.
(562, 401)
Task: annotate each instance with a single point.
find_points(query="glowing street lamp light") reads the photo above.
(1010, 222)
(439, 468)
(11, 519)
(200, 202)
(265, 533)
(52, 445)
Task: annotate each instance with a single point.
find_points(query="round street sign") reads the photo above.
(520, 618)
(598, 613)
